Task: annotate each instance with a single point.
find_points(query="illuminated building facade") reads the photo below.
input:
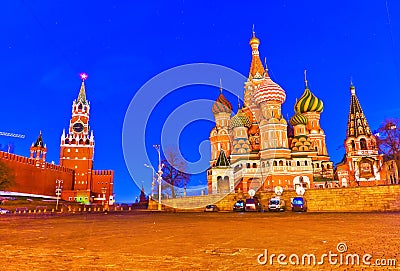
(362, 165)
(256, 148)
(80, 182)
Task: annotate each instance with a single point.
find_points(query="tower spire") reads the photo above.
(266, 68)
(220, 85)
(352, 87)
(305, 78)
(256, 67)
(357, 123)
(82, 91)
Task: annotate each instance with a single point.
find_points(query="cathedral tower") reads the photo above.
(362, 165)
(219, 136)
(269, 96)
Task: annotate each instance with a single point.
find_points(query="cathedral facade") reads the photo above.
(256, 148)
(362, 164)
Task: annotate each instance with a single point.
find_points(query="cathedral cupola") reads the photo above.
(298, 119)
(222, 105)
(240, 120)
(308, 102)
(268, 90)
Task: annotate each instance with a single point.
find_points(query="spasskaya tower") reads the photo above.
(76, 152)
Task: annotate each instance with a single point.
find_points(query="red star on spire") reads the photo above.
(83, 76)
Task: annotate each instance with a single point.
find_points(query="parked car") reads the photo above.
(211, 208)
(276, 204)
(4, 211)
(253, 205)
(299, 204)
(239, 206)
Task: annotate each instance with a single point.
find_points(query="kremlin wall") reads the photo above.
(78, 180)
(33, 178)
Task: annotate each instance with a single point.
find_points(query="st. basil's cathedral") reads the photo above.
(257, 149)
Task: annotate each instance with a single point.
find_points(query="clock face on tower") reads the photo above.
(77, 127)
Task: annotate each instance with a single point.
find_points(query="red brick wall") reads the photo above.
(103, 178)
(36, 180)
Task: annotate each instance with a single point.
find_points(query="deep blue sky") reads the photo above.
(122, 44)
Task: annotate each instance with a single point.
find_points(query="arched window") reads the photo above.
(80, 106)
(275, 164)
(298, 163)
(353, 146)
(280, 163)
(363, 144)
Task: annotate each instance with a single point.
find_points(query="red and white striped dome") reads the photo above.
(268, 90)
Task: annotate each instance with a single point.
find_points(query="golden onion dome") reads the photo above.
(254, 40)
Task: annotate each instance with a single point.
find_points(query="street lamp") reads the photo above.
(152, 180)
(58, 191)
(159, 175)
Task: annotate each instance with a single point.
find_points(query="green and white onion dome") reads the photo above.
(308, 102)
(298, 119)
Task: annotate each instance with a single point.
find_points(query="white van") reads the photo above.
(276, 204)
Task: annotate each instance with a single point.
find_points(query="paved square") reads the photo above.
(191, 241)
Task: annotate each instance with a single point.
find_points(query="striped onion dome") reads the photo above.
(240, 120)
(308, 102)
(268, 90)
(222, 105)
(298, 119)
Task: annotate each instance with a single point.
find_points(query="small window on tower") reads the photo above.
(68, 150)
(76, 166)
(76, 150)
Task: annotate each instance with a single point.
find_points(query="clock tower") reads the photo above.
(77, 145)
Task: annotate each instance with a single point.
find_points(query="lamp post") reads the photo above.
(152, 180)
(159, 175)
(58, 190)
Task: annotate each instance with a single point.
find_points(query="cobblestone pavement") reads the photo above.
(193, 241)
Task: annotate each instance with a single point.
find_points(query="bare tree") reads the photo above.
(388, 139)
(174, 170)
(6, 176)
